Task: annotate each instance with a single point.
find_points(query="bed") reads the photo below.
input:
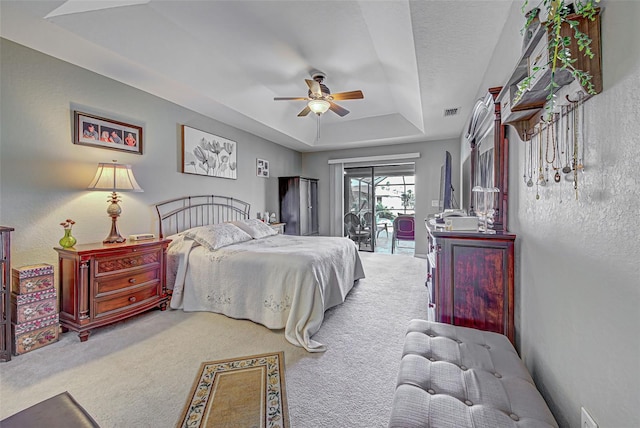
(222, 261)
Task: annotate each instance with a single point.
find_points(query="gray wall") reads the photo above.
(578, 270)
(432, 156)
(44, 176)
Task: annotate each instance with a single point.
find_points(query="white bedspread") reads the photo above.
(280, 281)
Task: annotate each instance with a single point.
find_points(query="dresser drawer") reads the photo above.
(123, 301)
(113, 283)
(125, 260)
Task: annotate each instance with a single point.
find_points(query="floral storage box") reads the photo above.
(31, 306)
(32, 278)
(34, 334)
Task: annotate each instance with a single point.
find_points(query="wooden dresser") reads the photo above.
(100, 284)
(471, 279)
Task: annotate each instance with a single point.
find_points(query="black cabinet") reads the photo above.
(5, 290)
(299, 205)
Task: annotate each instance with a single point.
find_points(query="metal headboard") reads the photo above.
(177, 215)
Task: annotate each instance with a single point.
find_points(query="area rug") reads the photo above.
(240, 392)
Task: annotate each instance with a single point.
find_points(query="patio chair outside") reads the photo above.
(380, 224)
(354, 230)
(403, 230)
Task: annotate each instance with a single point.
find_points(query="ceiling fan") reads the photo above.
(320, 99)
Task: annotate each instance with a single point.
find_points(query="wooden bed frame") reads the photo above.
(177, 215)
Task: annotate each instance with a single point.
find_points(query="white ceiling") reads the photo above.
(229, 59)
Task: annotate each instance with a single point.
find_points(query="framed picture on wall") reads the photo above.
(207, 154)
(96, 131)
(262, 168)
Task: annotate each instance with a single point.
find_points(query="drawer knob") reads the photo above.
(132, 299)
(132, 281)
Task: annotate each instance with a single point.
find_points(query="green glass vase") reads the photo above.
(67, 241)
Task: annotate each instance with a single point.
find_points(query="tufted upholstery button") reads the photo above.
(468, 403)
(431, 391)
(487, 346)
(498, 375)
(463, 368)
(432, 359)
(514, 417)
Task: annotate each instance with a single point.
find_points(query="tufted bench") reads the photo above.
(461, 377)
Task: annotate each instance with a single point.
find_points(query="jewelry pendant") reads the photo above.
(541, 180)
(557, 177)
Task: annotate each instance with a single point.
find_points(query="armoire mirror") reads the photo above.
(489, 158)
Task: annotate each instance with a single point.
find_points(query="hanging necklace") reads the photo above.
(555, 136)
(575, 150)
(567, 168)
(549, 140)
(524, 152)
(541, 180)
(530, 181)
(582, 139)
(546, 151)
(551, 127)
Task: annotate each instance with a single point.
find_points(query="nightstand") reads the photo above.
(279, 227)
(100, 284)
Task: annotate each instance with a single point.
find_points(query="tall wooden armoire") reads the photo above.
(299, 205)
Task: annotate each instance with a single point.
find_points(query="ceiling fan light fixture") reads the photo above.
(318, 106)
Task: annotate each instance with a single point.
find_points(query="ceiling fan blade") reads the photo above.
(304, 111)
(352, 95)
(340, 111)
(314, 87)
(291, 99)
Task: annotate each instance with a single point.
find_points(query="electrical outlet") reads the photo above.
(586, 421)
(435, 203)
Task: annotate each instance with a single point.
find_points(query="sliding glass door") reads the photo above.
(359, 206)
(373, 197)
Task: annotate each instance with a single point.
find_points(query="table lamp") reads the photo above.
(114, 177)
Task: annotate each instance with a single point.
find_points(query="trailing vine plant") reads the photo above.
(558, 12)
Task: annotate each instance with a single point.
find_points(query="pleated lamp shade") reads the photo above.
(115, 177)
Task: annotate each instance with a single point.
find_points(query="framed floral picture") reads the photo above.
(262, 168)
(96, 131)
(207, 154)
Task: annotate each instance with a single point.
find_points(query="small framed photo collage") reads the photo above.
(262, 168)
(96, 131)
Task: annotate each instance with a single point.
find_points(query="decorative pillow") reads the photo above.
(256, 228)
(217, 235)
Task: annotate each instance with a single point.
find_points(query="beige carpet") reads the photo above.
(138, 373)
